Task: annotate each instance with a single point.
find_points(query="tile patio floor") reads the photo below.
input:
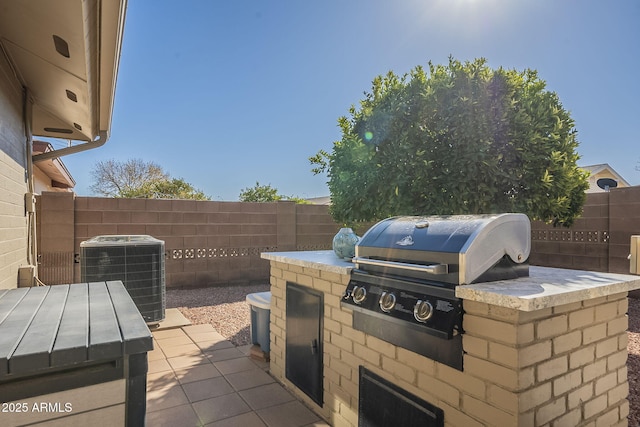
(198, 378)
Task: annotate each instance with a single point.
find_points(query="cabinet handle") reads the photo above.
(314, 346)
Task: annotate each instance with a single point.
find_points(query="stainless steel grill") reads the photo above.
(407, 268)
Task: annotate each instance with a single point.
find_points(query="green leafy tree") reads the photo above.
(266, 193)
(136, 178)
(461, 138)
(174, 188)
(259, 193)
(296, 199)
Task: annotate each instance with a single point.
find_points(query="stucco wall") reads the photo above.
(13, 186)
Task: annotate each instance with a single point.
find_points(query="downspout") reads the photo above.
(29, 200)
(103, 136)
(32, 242)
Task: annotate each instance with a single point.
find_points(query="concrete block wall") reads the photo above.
(13, 183)
(583, 246)
(598, 240)
(212, 243)
(314, 227)
(624, 221)
(206, 243)
(560, 366)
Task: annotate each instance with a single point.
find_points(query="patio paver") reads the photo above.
(266, 395)
(183, 415)
(249, 379)
(197, 373)
(206, 389)
(198, 378)
(219, 408)
(291, 414)
(248, 419)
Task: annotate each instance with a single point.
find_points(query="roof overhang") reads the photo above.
(66, 53)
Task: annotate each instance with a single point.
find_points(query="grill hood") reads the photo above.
(455, 249)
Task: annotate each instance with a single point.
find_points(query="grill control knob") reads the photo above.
(359, 294)
(387, 302)
(422, 311)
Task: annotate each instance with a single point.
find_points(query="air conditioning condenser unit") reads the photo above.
(136, 260)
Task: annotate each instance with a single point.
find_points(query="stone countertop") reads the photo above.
(548, 287)
(545, 287)
(319, 260)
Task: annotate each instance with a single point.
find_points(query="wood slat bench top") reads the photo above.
(54, 327)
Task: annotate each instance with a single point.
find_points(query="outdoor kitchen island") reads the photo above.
(547, 349)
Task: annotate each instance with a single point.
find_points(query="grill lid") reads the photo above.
(456, 249)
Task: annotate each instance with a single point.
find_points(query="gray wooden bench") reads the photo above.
(64, 337)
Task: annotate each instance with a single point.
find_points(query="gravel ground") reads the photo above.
(226, 309)
(223, 307)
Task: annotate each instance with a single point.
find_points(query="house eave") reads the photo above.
(67, 54)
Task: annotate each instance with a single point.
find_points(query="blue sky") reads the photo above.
(227, 93)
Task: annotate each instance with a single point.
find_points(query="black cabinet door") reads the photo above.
(305, 308)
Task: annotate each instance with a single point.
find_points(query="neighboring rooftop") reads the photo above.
(56, 175)
(600, 171)
(324, 200)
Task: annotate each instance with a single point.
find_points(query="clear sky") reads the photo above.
(226, 93)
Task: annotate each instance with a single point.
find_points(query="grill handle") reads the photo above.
(432, 269)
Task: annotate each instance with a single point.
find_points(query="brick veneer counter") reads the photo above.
(548, 349)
